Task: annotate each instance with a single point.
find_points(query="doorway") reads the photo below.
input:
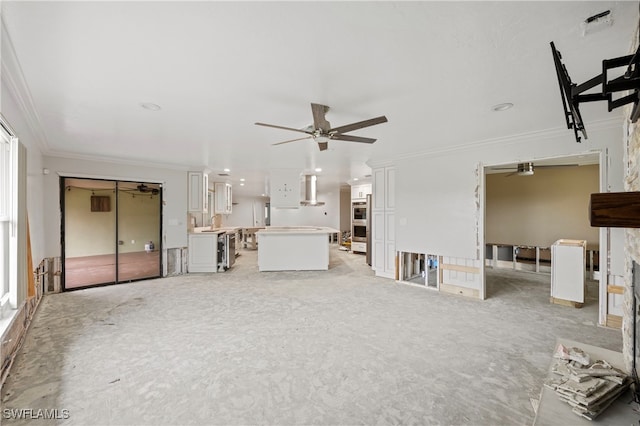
(529, 207)
(111, 231)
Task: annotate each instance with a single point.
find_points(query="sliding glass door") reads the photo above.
(111, 231)
(89, 232)
(138, 231)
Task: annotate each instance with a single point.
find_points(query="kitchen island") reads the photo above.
(294, 248)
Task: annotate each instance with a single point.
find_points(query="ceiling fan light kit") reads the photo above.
(527, 169)
(322, 132)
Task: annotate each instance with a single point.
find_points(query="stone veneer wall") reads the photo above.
(632, 243)
(632, 240)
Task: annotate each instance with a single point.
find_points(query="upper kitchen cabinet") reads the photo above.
(223, 198)
(360, 192)
(198, 183)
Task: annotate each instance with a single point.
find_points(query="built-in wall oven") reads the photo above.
(359, 222)
(359, 211)
(359, 232)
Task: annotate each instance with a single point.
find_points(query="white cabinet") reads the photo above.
(390, 188)
(383, 222)
(223, 198)
(360, 192)
(198, 183)
(379, 189)
(359, 247)
(568, 270)
(203, 252)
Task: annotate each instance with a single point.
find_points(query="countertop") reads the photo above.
(222, 230)
(271, 230)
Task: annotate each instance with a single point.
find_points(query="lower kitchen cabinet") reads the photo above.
(568, 271)
(203, 252)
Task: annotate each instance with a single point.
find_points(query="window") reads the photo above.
(8, 222)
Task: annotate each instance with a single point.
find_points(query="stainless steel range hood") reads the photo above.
(310, 192)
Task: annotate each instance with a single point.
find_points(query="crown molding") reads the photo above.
(377, 164)
(120, 161)
(13, 77)
(606, 124)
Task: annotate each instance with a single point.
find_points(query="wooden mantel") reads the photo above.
(615, 209)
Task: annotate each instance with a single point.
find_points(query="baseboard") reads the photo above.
(614, 321)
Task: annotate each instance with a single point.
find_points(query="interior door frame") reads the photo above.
(603, 234)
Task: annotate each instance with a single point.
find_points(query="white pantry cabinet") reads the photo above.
(383, 222)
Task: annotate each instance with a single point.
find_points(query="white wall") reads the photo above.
(327, 215)
(541, 209)
(439, 194)
(247, 212)
(174, 214)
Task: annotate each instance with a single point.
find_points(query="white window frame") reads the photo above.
(8, 219)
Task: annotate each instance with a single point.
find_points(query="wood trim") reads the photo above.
(615, 289)
(31, 281)
(563, 302)
(460, 291)
(460, 268)
(615, 209)
(614, 321)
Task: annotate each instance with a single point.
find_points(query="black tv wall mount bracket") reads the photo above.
(574, 94)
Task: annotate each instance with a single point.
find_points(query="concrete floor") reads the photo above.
(322, 348)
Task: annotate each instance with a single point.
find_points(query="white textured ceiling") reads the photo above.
(433, 68)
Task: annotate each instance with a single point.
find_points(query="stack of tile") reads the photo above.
(588, 387)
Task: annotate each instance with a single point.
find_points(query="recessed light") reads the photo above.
(355, 178)
(241, 179)
(242, 184)
(263, 195)
(150, 106)
(502, 107)
(226, 170)
(318, 169)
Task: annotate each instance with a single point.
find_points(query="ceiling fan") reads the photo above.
(526, 169)
(145, 189)
(322, 132)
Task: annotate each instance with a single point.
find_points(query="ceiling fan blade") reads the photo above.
(556, 165)
(323, 146)
(283, 128)
(503, 168)
(319, 121)
(350, 138)
(291, 140)
(511, 174)
(359, 125)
